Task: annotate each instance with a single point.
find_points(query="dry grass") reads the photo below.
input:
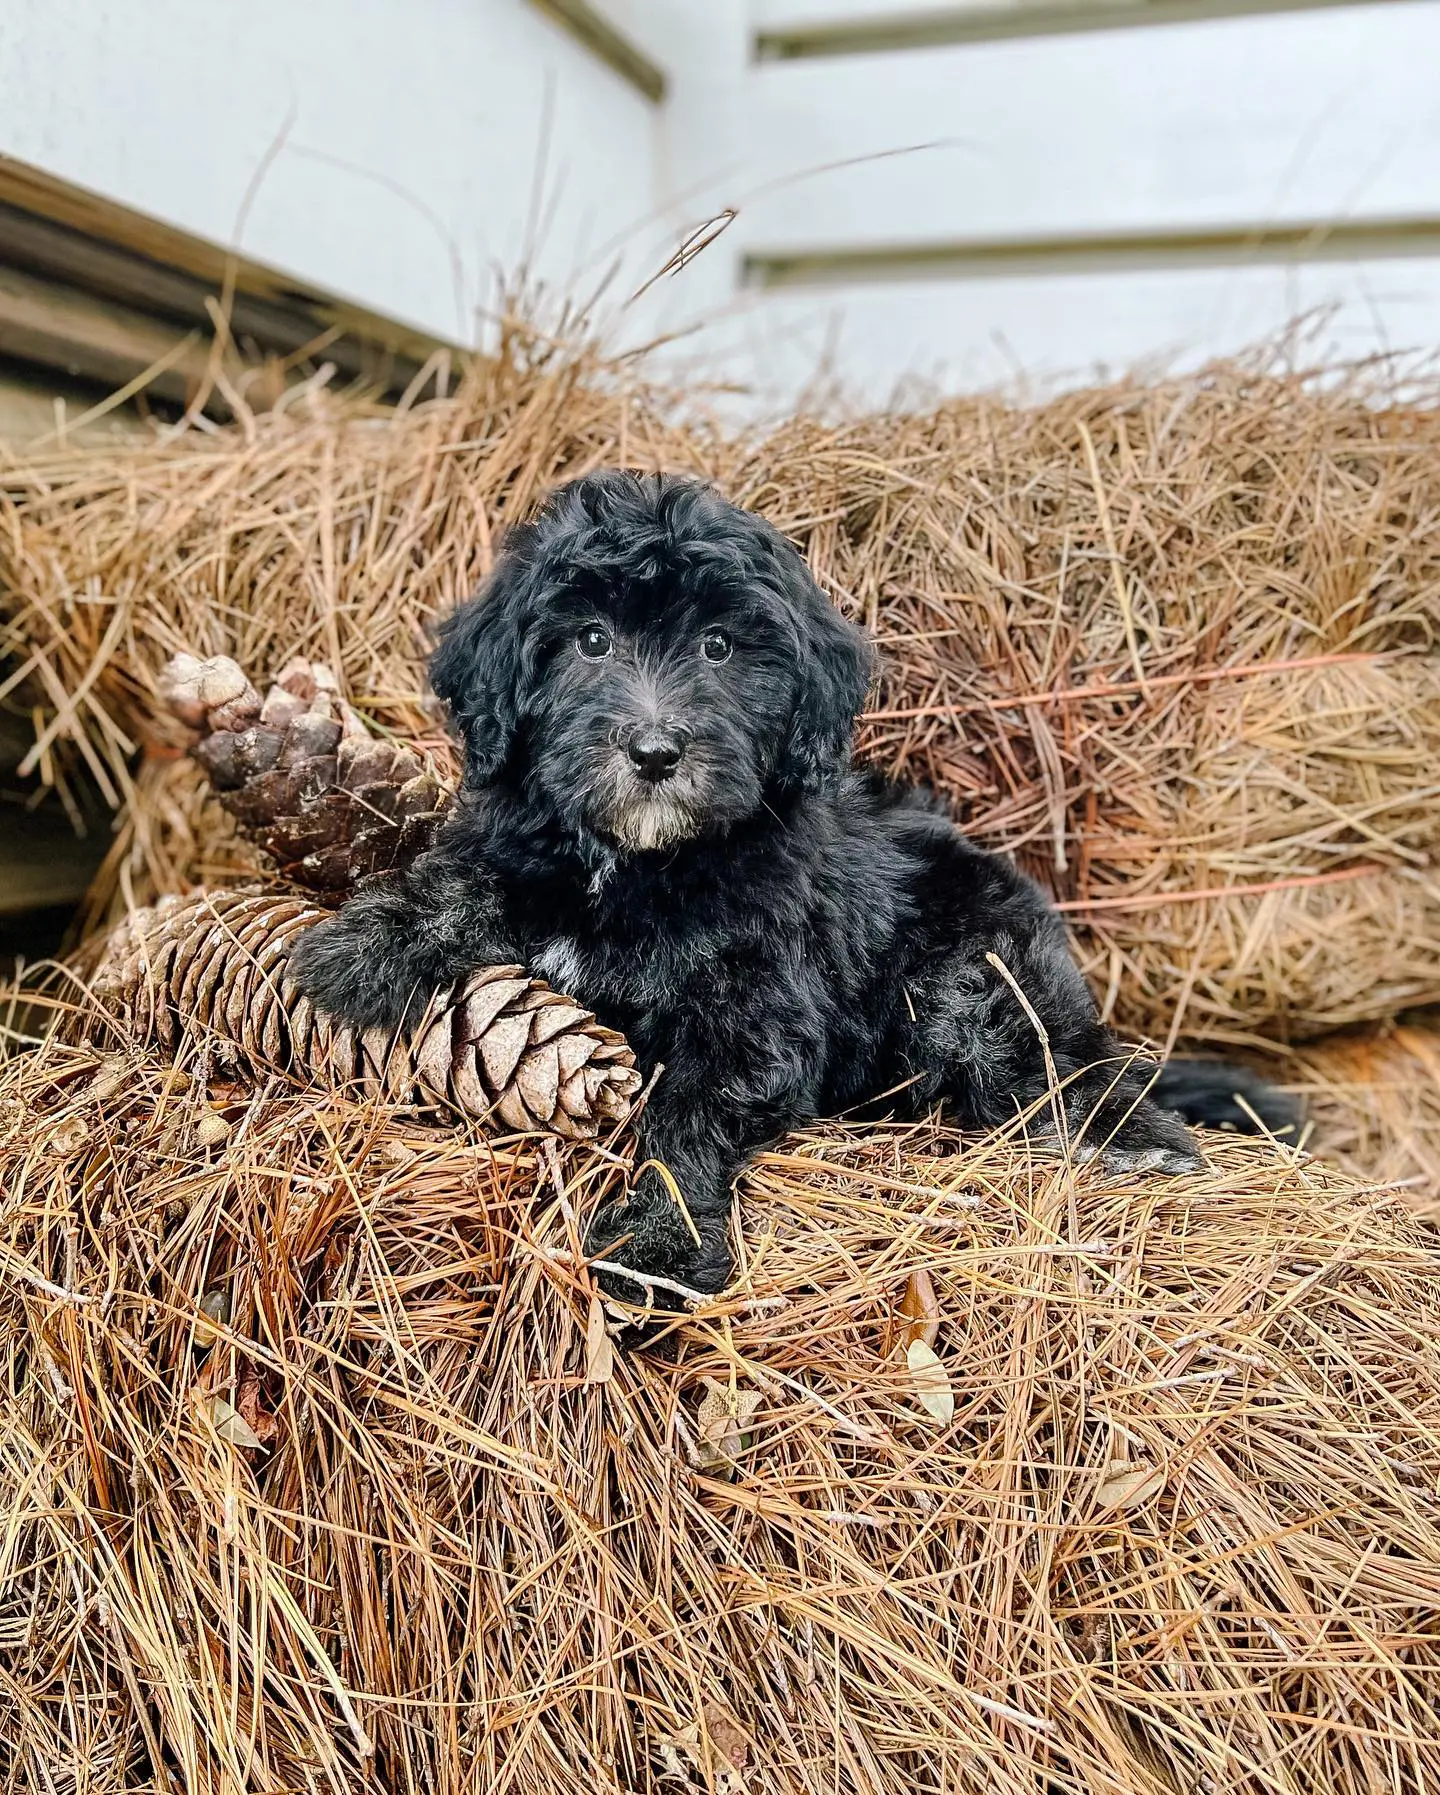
(316, 1471)
(1373, 1096)
(1176, 638)
(1080, 602)
(1181, 1532)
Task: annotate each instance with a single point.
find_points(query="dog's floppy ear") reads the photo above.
(836, 666)
(479, 669)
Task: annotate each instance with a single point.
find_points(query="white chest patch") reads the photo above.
(560, 965)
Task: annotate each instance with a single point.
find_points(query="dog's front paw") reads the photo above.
(1150, 1139)
(648, 1255)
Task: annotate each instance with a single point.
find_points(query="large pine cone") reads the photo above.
(300, 771)
(212, 970)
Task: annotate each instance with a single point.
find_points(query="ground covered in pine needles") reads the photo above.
(320, 1470)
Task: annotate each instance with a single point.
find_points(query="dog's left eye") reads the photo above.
(594, 642)
(715, 645)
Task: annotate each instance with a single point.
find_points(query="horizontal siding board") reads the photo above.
(778, 15)
(863, 33)
(1251, 245)
(1330, 114)
(1063, 329)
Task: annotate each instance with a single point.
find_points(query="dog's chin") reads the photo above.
(644, 820)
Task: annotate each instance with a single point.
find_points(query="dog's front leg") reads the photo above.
(377, 962)
(653, 1248)
(699, 1128)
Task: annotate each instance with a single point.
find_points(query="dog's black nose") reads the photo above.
(656, 752)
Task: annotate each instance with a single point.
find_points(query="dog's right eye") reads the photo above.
(594, 643)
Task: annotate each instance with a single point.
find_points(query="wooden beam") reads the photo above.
(41, 402)
(43, 862)
(1257, 245)
(93, 256)
(588, 26)
(940, 26)
(93, 339)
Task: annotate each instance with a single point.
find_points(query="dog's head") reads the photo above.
(651, 664)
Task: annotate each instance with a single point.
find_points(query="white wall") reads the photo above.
(403, 140)
(404, 137)
(1331, 115)
(1038, 334)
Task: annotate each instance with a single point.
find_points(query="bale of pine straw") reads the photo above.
(321, 1470)
(1172, 643)
(1162, 638)
(1373, 1100)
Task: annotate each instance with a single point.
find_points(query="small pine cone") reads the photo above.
(212, 969)
(301, 773)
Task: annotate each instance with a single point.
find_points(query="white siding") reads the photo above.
(397, 146)
(406, 135)
(1241, 122)
(1330, 114)
(1058, 330)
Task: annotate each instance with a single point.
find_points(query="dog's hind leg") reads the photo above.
(1219, 1095)
(1006, 1026)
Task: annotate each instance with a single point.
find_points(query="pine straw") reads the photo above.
(1170, 638)
(1081, 601)
(1373, 1097)
(458, 1566)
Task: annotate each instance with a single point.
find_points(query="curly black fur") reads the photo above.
(659, 816)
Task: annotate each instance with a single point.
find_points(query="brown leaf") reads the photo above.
(1128, 1486)
(921, 1308)
(726, 1737)
(111, 1076)
(261, 1422)
(599, 1352)
(68, 1135)
(726, 1743)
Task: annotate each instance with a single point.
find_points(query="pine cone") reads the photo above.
(329, 801)
(503, 1044)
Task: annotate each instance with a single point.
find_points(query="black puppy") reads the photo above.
(659, 817)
